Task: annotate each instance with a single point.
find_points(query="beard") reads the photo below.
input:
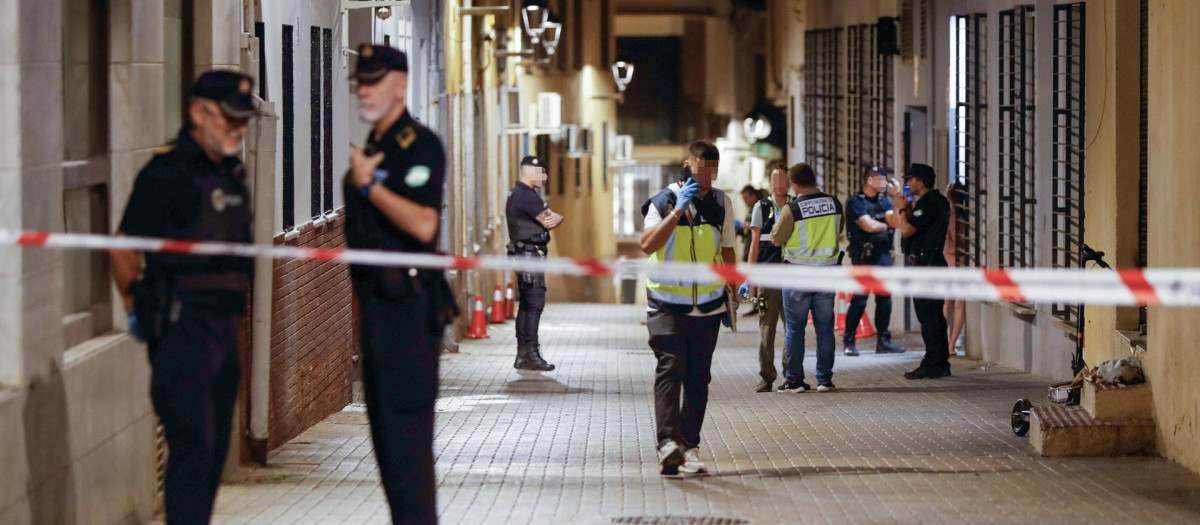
(371, 114)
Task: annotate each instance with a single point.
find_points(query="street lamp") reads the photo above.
(756, 129)
(550, 35)
(622, 74)
(534, 18)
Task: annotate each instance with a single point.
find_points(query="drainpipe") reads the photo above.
(264, 270)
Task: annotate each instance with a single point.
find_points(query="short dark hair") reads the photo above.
(704, 150)
(802, 175)
(750, 189)
(776, 165)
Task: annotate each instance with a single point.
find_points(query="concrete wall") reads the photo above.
(1172, 362)
(76, 423)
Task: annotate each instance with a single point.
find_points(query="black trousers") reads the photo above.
(858, 305)
(194, 383)
(933, 331)
(400, 380)
(684, 347)
(532, 288)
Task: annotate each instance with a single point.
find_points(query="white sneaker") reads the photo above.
(691, 462)
(670, 458)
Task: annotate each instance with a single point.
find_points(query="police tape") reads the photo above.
(1151, 286)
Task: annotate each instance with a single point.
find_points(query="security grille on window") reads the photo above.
(822, 104)
(858, 84)
(1068, 143)
(968, 137)
(869, 104)
(1016, 112)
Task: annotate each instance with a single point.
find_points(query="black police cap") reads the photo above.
(923, 173)
(876, 169)
(531, 160)
(375, 61)
(230, 90)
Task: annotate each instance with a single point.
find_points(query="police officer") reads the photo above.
(394, 202)
(808, 230)
(529, 223)
(688, 222)
(870, 223)
(189, 309)
(769, 301)
(923, 225)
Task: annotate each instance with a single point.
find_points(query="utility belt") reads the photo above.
(397, 284)
(869, 252)
(159, 301)
(925, 258)
(535, 245)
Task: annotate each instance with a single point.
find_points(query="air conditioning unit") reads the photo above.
(622, 149)
(514, 109)
(549, 111)
(577, 141)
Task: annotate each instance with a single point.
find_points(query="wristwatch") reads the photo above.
(376, 178)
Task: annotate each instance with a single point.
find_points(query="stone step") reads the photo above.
(1057, 431)
(1117, 402)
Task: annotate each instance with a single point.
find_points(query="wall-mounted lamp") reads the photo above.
(534, 18)
(383, 13)
(622, 74)
(756, 129)
(551, 32)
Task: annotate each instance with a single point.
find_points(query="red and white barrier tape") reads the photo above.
(1160, 286)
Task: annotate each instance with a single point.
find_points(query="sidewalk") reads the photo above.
(577, 446)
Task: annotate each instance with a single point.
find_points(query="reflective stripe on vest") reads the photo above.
(688, 244)
(814, 239)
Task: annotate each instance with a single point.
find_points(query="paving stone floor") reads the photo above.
(577, 446)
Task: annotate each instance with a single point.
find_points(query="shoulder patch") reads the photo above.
(406, 137)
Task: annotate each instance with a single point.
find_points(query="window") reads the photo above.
(869, 104)
(1143, 230)
(1067, 144)
(177, 65)
(968, 136)
(1016, 113)
(822, 105)
(87, 300)
(289, 129)
(314, 106)
(327, 118)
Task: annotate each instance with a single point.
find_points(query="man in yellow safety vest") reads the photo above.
(688, 222)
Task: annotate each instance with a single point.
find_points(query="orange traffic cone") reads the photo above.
(864, 328)
(478, 321)
(497, 306)
(843, 304)
(510, 309)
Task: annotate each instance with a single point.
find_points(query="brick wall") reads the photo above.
(313, 336)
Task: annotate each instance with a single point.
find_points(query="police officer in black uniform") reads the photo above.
(924, 225)
(870, 223)
(393, 202)
(189, 309)
(529, 223)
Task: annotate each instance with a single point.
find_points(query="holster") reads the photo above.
(151, 302)
(404, 283)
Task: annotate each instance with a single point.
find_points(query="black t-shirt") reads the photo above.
(415, 164)
(876, 208)
(182, 194)
(523, 206)
(931, 218)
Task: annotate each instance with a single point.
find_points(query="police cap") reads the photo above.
(876, 169)
(531, 160)
(923, 173)
(375, 61)
(230, 90)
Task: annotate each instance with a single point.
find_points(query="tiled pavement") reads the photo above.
(576, 446)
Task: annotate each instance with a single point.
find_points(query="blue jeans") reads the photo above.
(796, 306)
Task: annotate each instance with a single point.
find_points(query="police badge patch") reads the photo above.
(417, 176)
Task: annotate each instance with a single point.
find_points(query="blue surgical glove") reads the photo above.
(744, 291)
(737, 225)
(687, 193)
(134, 329)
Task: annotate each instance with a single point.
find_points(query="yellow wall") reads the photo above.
(1113, 109)
(1173, 363)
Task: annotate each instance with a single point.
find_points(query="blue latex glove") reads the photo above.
(687, 193)
(134, 329)
(737, 225)
(744, 291)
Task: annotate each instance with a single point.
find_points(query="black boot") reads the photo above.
(536, 361)
(884, 345)
(523, 361)
(851, 348)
